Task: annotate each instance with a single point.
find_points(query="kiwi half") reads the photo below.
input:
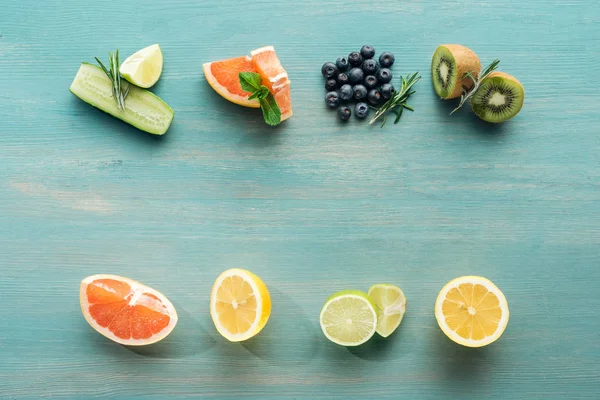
(448, 67)
(499, 98)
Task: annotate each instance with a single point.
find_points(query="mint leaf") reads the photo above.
(270, 109)
(260, 94)
(263, 92)
(250, 81)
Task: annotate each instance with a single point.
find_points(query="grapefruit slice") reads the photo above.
(275, 77)
(223, 77)
(126, 311)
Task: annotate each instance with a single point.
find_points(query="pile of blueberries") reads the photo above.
(358, 77)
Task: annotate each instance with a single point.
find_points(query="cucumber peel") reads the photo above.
(143, 109)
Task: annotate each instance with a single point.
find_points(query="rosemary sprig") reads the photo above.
(397, 103)
(115, 77)
(476, 83)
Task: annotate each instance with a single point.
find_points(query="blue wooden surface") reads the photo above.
(312, 206)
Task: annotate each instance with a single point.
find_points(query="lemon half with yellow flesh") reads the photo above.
(472, 311)
(240, 304)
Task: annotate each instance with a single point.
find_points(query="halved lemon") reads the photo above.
(144, 67)
(240, 304)
(471, 311)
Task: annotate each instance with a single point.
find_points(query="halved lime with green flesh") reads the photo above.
(390, 304)
(348, 318)
(144, 67)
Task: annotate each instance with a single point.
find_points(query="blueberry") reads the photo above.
(370, 82)
(361, 110)
(342, 63)
(374, 96)
(332, 99)
(356, 75)
(342, 79)
(384, 75)
(330, 84)
(355, 59)
(329, 70)
(370, 67)
(387, 90)
(360, 92)
(386, 59)
(344, 113)
(367, 51)
(346, 92)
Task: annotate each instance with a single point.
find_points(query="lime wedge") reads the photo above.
(144, 67)
(348, 318)
(390, 304)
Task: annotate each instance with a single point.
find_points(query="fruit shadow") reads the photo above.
(379, 348)
(472, 123)
(445, 107)
(460, 363)
(189, 338)
(289, 337)
(112, 126)
(249, 121)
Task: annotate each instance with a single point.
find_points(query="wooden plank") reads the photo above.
(312, 207)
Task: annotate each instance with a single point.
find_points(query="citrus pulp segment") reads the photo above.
(471, 311)
(275, 77)
(223, 77)
(144, 67)
(240, 304)
(348, 318)
(390, 304)
(126, 311)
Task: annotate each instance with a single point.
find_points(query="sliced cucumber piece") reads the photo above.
(143, 109)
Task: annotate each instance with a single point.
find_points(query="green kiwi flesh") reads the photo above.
(443, 72)
(498, 99)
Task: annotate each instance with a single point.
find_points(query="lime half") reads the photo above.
(144, 67)
(348, 318)
(390, 304)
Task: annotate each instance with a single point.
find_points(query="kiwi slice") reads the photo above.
(448, 67)
(499, 98)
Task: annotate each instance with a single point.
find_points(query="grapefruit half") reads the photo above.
(126, 311)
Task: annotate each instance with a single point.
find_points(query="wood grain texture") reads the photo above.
(312, 206)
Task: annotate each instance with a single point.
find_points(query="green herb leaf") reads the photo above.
(263, 92)
(476, 82)
(397, 103)
(115, 78)
(270, 109)
(250, 81)
(260, 94)
(398, 114)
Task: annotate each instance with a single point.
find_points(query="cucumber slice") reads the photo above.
(143, 109)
